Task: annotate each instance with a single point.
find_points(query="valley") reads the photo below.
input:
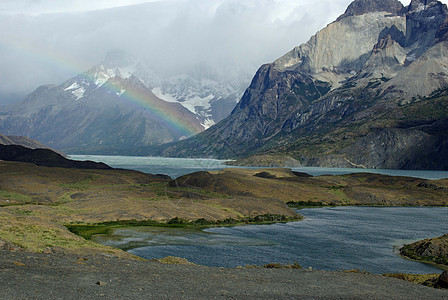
(39, 197)
(368, 92)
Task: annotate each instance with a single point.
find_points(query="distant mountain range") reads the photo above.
(120, 106)
(369, 90)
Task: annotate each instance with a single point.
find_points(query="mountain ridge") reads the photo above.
(360, 7)
(324, 96)
(104, 109)
(121, 106)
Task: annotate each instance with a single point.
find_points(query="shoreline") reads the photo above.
(439, 266)
(78, 197)
(88, 230)
(192, 227)
(433, 250)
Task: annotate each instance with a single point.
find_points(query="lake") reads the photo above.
(175, 167)
(339, 238)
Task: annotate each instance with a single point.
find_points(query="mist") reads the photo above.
(44, 42)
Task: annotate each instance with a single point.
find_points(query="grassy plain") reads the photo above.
(37, 203)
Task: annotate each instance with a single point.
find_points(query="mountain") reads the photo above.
(369, 90)
(122, 106)
(104, 110)
(199, 88)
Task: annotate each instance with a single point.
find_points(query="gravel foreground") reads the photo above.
(26, 275)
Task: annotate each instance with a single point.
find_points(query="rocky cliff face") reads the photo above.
(377, 76)
(361, 7)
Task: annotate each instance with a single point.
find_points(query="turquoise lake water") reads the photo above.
(176, 167)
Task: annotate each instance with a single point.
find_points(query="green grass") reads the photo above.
(14, 197)
(409, 251)
(433, 109)
(305, 204)
(81, 185)
(340, 194)
(88, 230)
(22, 212)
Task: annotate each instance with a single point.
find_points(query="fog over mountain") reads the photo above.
(48, 41)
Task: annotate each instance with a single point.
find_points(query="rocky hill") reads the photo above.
(20, 140)
(433, 250)
(369, 90)
(45, 157)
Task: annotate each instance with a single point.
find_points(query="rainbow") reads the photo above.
(141, 98)
(137, 97)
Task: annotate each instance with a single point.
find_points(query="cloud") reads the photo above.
(234, 36)
(37, 7)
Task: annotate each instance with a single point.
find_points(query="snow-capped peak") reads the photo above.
(101, 74)
(77, 89)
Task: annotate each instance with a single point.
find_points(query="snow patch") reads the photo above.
(75, 85)
(79, 93)
(165, 97)
(411, 58)
(102, 75)
(120, 93)
(208, 123)
(421, 7)
(125, 72)
(191, 103)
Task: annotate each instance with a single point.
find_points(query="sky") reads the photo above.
(50, 41)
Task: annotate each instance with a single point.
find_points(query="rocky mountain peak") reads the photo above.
(116, 64)
(360, 7)
(420, 4)
(362, 91)
(383, 43)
